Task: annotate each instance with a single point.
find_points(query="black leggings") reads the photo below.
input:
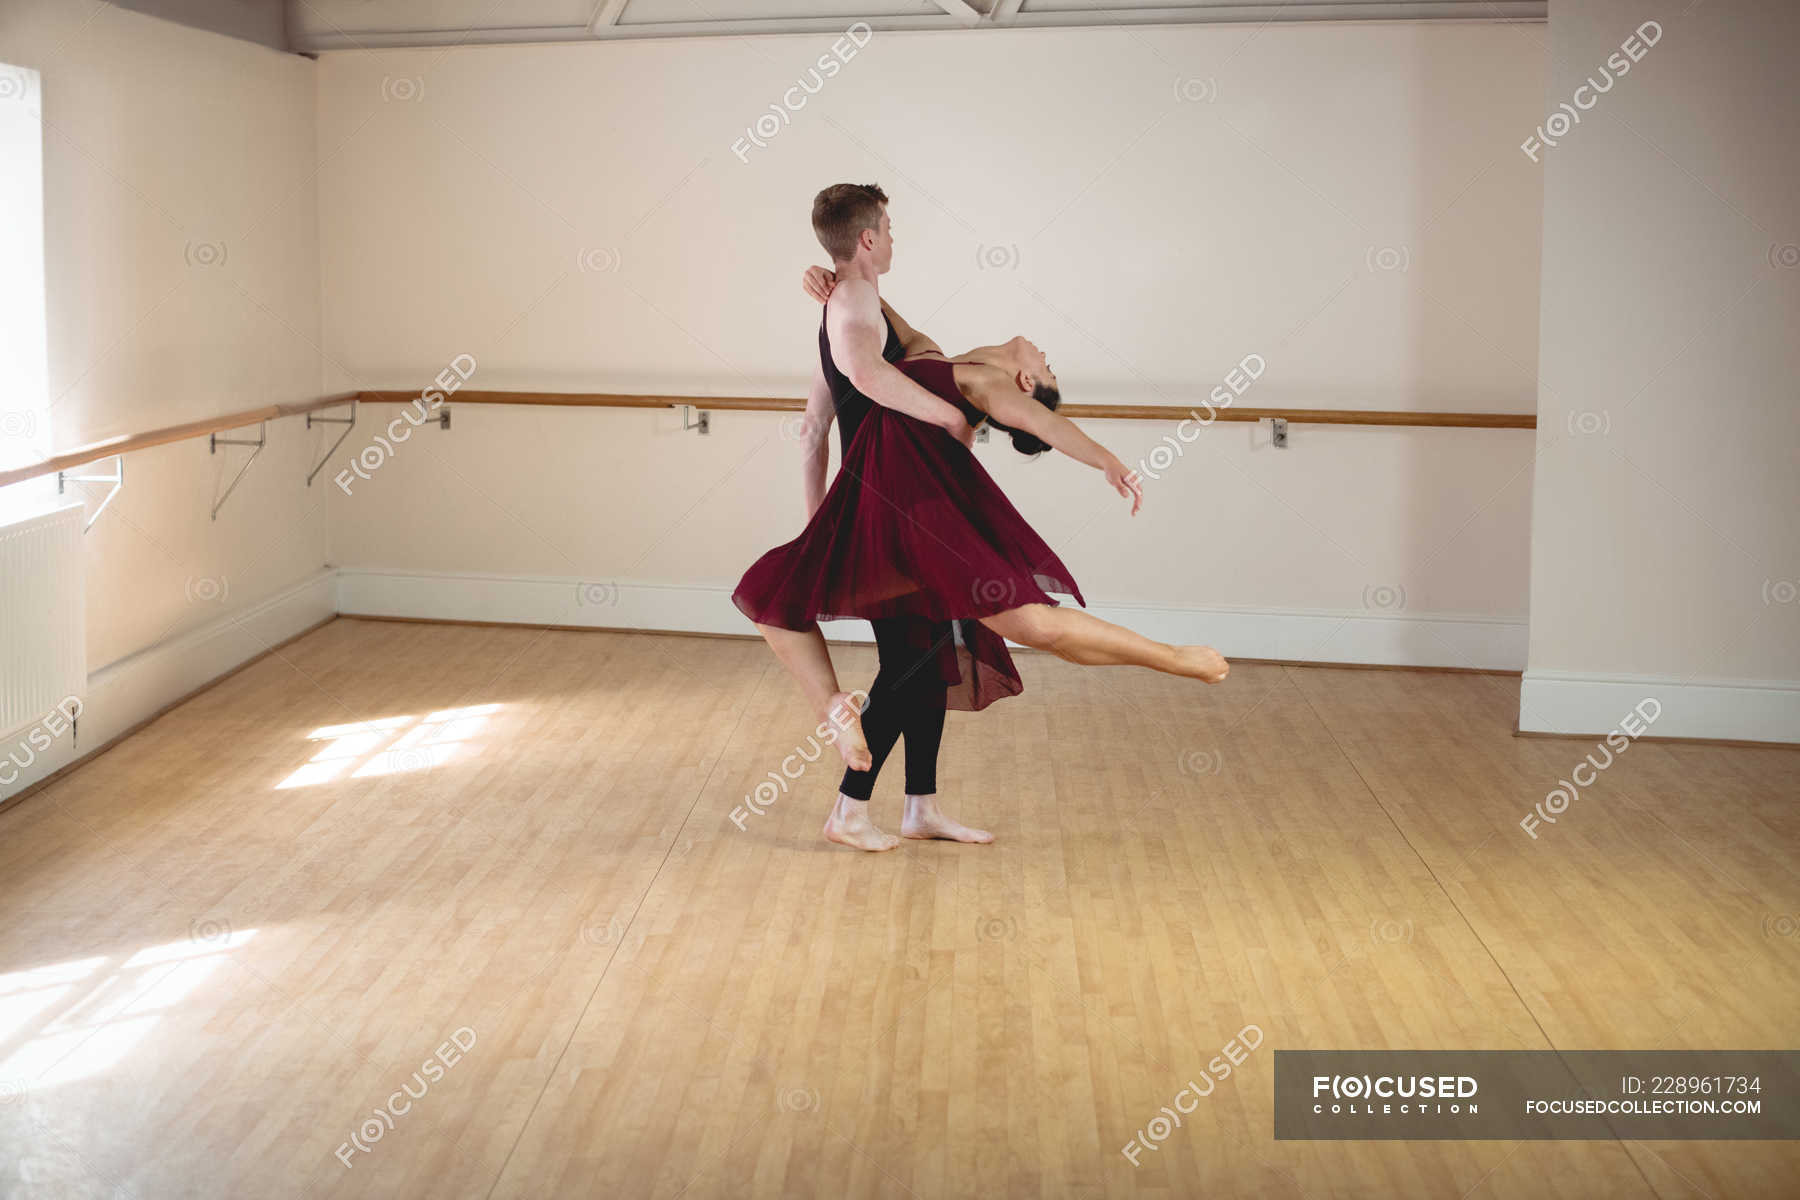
(907, 698)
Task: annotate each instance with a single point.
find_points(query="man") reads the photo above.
(860, 339)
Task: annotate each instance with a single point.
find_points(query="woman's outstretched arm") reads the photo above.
(997, 395)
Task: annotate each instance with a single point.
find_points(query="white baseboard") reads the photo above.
(124, 693)
(1356, 636)
(1735, 709)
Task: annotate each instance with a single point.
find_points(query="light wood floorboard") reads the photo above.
(220, 952)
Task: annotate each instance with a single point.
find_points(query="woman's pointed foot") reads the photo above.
(1204, 663)
(845, 716)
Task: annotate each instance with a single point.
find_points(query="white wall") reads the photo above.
(24, 394)
(1666, 522)
(1149, 205)
(181, 253)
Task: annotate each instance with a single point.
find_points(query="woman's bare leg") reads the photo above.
(807, 659)
(1081, 637)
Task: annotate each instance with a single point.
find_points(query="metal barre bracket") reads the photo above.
(1278, 432)
(703, 424)
(214, 441)
(348, 423)
(117, 479)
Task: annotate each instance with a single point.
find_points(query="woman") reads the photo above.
(913, 525)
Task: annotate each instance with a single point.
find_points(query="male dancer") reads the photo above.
(859, 341)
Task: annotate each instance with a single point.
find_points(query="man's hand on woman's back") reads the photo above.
(818, 282)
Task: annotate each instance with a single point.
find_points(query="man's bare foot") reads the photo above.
(849, 825)
(846, 720)
(1204, 663)
(923, 820)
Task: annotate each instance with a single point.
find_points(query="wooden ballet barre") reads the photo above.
(126, 443)
(1095, 412)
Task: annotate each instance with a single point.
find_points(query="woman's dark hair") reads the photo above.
(1030, 443)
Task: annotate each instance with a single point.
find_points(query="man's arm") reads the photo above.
(913, 342)
(817, 282)
(815, 440)
(853, 323)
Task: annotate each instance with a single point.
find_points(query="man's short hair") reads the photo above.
(841, 212)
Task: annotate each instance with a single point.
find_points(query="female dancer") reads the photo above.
(913, 525)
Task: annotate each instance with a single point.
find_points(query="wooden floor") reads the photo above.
(227, 941)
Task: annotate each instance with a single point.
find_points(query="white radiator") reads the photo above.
(43, 619)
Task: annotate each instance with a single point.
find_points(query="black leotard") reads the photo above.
(907, 698)
(852, 406)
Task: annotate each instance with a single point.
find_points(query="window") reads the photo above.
(24, 388)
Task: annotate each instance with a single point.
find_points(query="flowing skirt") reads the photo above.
(914, 527)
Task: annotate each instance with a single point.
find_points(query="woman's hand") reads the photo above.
(1125, 483)
(818, 283)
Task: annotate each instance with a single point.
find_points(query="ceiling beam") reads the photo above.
(743, 26)
(960, 10)
(1006, 10)
(607, 15)
(1483, 12)
(1477, 12)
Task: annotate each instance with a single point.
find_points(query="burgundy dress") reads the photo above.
(913, 526)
